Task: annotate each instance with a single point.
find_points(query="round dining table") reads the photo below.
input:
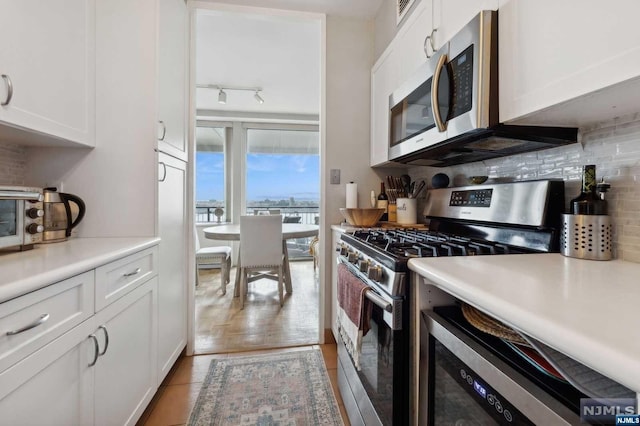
(231, 232)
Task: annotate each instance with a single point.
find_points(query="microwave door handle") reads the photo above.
(442, 126)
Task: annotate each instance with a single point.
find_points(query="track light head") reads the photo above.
(222, 97)
(258, 97)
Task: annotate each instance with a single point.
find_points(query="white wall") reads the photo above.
(614, 147)
(349, 57)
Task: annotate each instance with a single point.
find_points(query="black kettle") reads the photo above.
(62, 212)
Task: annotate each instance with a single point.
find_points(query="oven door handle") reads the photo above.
(370, 294)
(379, 301)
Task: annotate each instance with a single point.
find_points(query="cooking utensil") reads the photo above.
(405, 180)
(418, 189)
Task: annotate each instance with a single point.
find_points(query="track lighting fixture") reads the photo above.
(222, 94)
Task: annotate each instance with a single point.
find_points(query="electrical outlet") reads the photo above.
(335, 176)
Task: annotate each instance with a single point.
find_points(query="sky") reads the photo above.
(273, 176)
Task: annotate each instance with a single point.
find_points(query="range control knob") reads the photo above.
(363, 265)
(343, 250)
(374, 273)
(352, 257)
(34, 228)
(35, 213)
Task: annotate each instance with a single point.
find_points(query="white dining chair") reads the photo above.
(261, 253)
(207, 256)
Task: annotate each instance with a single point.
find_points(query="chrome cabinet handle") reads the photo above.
(164, 174)
(7, 81)
(428, 42)
(130, 274)
(97, 349)
(106, 340)
(434, 94)
(43, 318)
(164, 130)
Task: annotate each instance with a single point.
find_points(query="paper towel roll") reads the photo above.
(352, 195)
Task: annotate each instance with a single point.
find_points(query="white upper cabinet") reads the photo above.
(449, 16)
(409, 43)
(47, 64)
(172, 77)
(563, 54)
(384, 78)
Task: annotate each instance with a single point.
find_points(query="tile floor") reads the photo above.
(177, 395)
(222, 327)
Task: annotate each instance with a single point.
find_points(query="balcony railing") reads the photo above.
(308, 215)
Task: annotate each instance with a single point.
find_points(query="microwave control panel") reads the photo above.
(461, 71)
(471, 198)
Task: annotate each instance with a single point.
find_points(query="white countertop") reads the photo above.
(23, 272)
(585, 309)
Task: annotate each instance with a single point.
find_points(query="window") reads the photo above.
(283, 177)
(210, 169)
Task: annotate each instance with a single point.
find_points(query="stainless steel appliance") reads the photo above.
(473, 379)
(476, 220)
(465, 375)
(446, 113)
(62, 212)
(21, 217)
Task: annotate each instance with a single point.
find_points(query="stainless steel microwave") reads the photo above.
(21, 217)
(446, 113)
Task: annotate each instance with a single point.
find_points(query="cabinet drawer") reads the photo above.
(29, 322)
(118, 278)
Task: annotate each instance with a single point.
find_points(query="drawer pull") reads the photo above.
(96, 347)
(106, 340)
(43, 318)
(130, 274)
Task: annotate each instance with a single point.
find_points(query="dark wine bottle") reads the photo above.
(383, 203)
(588, 202)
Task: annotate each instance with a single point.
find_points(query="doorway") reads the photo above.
(253, 133)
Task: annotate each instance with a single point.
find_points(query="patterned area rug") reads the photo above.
(284, 389)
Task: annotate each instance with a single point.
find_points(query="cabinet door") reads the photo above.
(47, 51)
(172, 87)
(172, 288)
(556, 52)
(451, 15)
(52, 386)
(410, 41)
(125, 376)
(383, 82)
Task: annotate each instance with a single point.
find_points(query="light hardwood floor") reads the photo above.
(222, 327)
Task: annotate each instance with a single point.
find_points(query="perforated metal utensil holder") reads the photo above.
(586, 236)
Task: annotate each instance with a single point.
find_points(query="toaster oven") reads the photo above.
(21, 217)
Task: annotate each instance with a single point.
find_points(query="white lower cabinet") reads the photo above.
(125, 376)
(102, 371)
(54, 385)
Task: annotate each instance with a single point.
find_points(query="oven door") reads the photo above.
(466, 384)
(377, 393)
(11, 222)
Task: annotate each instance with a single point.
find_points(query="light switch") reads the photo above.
(335, 176)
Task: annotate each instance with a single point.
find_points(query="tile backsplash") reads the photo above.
(13, 160)
(614, 147)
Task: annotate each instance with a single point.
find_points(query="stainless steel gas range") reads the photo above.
(490, 219)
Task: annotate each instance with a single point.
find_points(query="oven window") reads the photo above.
(376, 362)
(460, 397)
(8, 218)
